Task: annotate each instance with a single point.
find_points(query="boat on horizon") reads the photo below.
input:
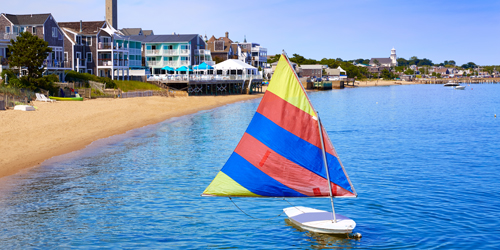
(286, 153)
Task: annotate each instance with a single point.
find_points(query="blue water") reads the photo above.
(424, 159)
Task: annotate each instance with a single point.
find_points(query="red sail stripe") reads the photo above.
(285, 171)
(292, 119)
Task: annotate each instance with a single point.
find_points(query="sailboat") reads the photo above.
(283, 154)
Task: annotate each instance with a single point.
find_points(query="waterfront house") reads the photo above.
(311, 70)
(222, 48)
(80, 44)
(45, 27)
(116, 53)
(336, 73)
(174, 51)
(442, 71)
(252, 53)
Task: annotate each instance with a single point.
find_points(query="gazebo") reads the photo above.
(235, 67)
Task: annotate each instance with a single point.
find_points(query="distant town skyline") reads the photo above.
(462, 31)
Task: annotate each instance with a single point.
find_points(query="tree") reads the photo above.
(28, 51)
(409, 72)
(274, 58)
(387, 75)
(402, 62)
(376, 62)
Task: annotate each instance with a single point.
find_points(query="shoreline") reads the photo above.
(55, 129)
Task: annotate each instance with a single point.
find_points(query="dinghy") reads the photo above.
(285, 152)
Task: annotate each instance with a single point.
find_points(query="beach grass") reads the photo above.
(126, 86)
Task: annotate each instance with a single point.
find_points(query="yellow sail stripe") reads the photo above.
(223, 185)
(285, 85)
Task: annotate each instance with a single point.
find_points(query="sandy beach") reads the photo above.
(29, 138)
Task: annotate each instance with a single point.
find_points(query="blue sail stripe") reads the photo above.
(256, 181)
(296, 149)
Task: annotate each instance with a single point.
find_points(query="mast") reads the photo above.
(326, 167)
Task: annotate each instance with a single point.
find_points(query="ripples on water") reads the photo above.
(424, 160)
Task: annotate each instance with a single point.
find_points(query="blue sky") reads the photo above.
(463, 31)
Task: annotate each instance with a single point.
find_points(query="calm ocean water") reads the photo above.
(424, 160)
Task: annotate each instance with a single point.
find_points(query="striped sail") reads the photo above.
(280, 153)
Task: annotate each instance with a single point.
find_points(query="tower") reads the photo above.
(394, 61)
(112, 13)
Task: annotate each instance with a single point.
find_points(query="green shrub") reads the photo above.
(126, 86)
(72, 76)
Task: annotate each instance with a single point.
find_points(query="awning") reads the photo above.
(184, 69)
(203, 66)
(168, 68)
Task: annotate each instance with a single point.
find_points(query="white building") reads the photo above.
(385, 62)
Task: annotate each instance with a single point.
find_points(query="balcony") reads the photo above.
(113, 63)
(202, 52)
(153, 52)
(135, 63)
(135, 51)
(8, 36)
(56, 64)
(170, 52)
(111, 46)
(259, 49)
(184, 51)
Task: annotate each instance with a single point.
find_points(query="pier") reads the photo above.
(210, 84)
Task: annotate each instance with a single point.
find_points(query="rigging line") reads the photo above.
(293, 205)
(252, 216)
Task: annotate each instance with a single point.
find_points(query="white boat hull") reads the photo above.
(319, 221)
(460, 87)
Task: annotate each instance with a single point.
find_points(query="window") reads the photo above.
(89, 71)
(23, 29)
(78, 40)
(33, 30)
(184, 58)
(89, 56)
(65, 56)
(89, 41)
(7, 29)
(54, 31)
(59, 36)
(16, 29)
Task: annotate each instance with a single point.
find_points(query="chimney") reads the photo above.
(81, 26)
(227, 34)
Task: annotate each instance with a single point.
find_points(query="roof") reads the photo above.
(233, 64)
(148, 32)
(384, 60)
(88, 28)
(165, 38)
(27, 19)
(132, 31)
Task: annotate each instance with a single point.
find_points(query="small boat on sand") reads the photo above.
(66, 98)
